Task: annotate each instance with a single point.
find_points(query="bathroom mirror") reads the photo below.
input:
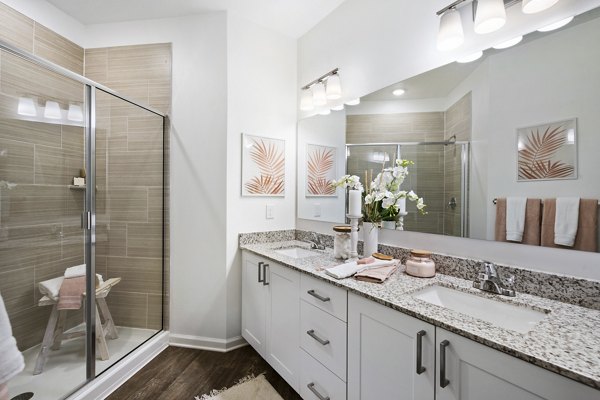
(521, 121)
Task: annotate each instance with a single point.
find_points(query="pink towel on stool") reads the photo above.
(376, 275)
(71, 293)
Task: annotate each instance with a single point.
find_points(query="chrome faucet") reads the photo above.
(316, 243)
(490, 281)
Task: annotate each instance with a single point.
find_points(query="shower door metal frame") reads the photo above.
(464, 176)
(88, 217)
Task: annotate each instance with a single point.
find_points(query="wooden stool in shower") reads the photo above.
(56, 324)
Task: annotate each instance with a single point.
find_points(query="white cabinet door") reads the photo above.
(383, 352)
(283, 322)
(254, 303)
(472, 371)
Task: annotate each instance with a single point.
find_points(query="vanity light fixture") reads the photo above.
(535, 6)
(52, 110)
(490, 15)
(556, 25)
(353, 102)
(508, 43)
(26, 107)
(334, 87)
(324, 111)
(75, 113)
(339, 107)
(450, 33)
(306, 101)
(470, 58)
(399, 92)
(318, 92)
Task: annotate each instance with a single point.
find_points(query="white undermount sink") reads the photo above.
(517, 318)
(296, 252)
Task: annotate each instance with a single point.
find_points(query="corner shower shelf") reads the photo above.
(75, 187)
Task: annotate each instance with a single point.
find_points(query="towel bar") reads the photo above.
(495, 201)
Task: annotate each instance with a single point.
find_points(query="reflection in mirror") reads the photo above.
(519, 123)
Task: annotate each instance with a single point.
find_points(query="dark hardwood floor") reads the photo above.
(181, 374)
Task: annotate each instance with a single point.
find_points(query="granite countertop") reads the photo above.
(567, 341)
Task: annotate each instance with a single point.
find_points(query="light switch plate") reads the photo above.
(270, 211)
(317, 210)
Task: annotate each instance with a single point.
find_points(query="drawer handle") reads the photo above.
(443, 381)
(264, 282)
(311, 387)
(420, 367)
(260, 264)
(313, 335)
(318, 296)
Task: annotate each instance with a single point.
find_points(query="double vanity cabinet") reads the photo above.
(328, 343)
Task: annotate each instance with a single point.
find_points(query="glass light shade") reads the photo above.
(398, 92)
(306, 101)
(451, 34)
(508, 43)
(52, 110)
(471, 57)
(490, 16)
(26, 107)
(334, 87)
(535, 6)
(319, 96)
(556, 25)
(75, 113)
(339, 107)
(353, 102)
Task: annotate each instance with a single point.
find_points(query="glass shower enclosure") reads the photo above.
(82, 249)
(440, 175)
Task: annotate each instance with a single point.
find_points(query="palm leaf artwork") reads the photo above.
(319, 166)
(271, 165)
(536, 157)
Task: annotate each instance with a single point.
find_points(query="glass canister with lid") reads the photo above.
(341, 242)
(420, 264)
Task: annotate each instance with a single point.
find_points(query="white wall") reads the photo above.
(261, 100)
(378, 43)
(325, 130)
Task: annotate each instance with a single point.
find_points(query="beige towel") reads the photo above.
(71, 293)
(531, 231)
(376, 275)
(587, 232)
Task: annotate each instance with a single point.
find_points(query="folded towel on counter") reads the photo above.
(74, 272)
(532, 228)
(515, 218)
(51, 287)
(566, 221)
(376, 275)
(350, 268)
(71, 293)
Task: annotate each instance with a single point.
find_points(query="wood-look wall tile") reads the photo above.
(24, 246)
(145, 133)
(142, 275)
(155, 303)
(144, 240)
(126, 204)
(33, 204)
(31, 132)
(128, 309)
(58, 49)
(16, 161)
(138, 62)
(73, 138)
(56, 166)
(16, 287)
(155, 204)
(111, 239)
(15, 28)
(73, 241)
(136, 168)
(159, 95)
(96, 64)
(137, 90)
(29, 326)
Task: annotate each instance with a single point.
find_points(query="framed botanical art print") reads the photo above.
(321, 169)
(263, 166)
(547, 151)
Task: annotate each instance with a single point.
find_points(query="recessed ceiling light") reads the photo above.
(398, 92)
(535, 6)
(556, 25)
(470, 57)
(508, 43)
(353, 102)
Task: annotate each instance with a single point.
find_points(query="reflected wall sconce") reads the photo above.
(50, 112)
(488, 16)
(320, 92)
(26, 107)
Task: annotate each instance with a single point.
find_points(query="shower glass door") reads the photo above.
(42, 150)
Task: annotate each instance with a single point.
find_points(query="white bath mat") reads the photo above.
(248, 388)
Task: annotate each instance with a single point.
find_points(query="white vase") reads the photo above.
(388, 225)
(370, 238)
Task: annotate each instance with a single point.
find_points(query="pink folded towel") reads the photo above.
(376, 275)
(70, 293)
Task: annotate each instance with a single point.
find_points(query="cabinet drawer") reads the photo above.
(325, 296)
(324, 337)
(320, 379)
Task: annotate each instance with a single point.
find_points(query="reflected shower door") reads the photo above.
(129, 223)
(42, 148)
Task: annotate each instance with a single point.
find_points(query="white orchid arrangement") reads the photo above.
(382, 197)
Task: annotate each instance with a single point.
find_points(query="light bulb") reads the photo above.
(353, 102)
(508, 43)
(52, 110)
(319, 96)
(450, 34)
(490, 16)
(535, 6)
(334, 87)
(75, 114)
(26, 107)
(471, 57)
(306, 101)
(556, 25)
(398, 92)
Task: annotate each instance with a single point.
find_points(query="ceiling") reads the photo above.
(291, 17)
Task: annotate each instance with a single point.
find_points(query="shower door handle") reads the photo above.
(452, 203)
(86, 220)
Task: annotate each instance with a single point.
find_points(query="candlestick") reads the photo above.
(354, 236)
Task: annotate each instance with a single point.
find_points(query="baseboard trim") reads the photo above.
(118, 374)
(206, 343)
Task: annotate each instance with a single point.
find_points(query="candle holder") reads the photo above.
(401, 221)
(353, 235)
